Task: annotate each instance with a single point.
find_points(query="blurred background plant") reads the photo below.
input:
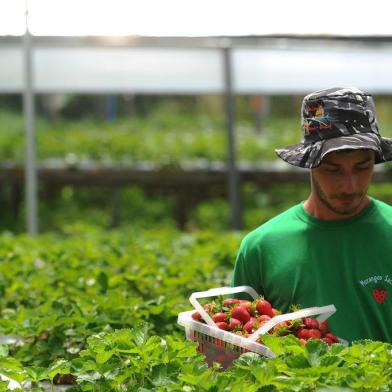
(160, 132)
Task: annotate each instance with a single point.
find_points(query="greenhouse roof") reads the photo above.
(174, 65)
(175, 46)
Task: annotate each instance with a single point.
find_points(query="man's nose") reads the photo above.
(349, 184)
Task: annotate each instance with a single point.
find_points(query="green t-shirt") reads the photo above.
(296, 258)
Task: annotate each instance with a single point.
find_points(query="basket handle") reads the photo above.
(193, 299)
(324, 312)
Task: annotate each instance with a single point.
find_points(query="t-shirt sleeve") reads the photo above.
(246, 270)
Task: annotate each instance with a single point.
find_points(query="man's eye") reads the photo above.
(332, 170)
(363, 167)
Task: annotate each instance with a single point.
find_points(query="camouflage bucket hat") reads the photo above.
(336, 119)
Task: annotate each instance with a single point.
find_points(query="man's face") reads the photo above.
(340, 182)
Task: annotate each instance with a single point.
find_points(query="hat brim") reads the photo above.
(310, 155)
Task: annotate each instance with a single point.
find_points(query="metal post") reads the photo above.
(110, 107)
(233, 175)
(30, 150)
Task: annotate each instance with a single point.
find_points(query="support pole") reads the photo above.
(30, 149)
(233, 175)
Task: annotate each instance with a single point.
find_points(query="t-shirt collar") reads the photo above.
(305, 216)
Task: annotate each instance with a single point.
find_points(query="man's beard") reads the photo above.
(347, 210)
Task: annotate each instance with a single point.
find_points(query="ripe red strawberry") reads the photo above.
(314, 334)
(240, 313)
(327, 340)
(264, 307)
(323, 327)
(234, 324)
(196, 316)
(246, 305)
(303, 333)
(230, 301)
(220, 316)
(311, 323)
(264, 318)
(222, 325)
(333, 337)
(251, 325)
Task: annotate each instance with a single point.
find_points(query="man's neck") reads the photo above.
(319, 210)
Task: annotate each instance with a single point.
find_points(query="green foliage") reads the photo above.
(102, 304)
(56, 291)
(163, 133)
(167, 137)
(102, 307)
(74, 300)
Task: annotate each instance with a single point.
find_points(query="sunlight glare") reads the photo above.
(196, 18)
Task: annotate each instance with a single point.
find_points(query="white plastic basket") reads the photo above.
(224, 346)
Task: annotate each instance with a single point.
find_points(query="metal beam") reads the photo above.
(233, 176)
(30, 149)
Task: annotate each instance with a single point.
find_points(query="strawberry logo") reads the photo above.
(380, 295)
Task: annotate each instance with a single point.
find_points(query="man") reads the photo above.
(336, 247)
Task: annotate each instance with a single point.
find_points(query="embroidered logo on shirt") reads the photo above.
(380, 295)
(376, 285)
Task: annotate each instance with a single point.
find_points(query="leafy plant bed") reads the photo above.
(133, 360)
(169, 140)
(100, 308)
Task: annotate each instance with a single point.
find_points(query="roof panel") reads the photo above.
(279, 69)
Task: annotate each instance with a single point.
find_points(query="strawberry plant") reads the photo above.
(97, 310)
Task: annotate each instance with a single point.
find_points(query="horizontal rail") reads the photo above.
(164, 177)
(188, 186)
